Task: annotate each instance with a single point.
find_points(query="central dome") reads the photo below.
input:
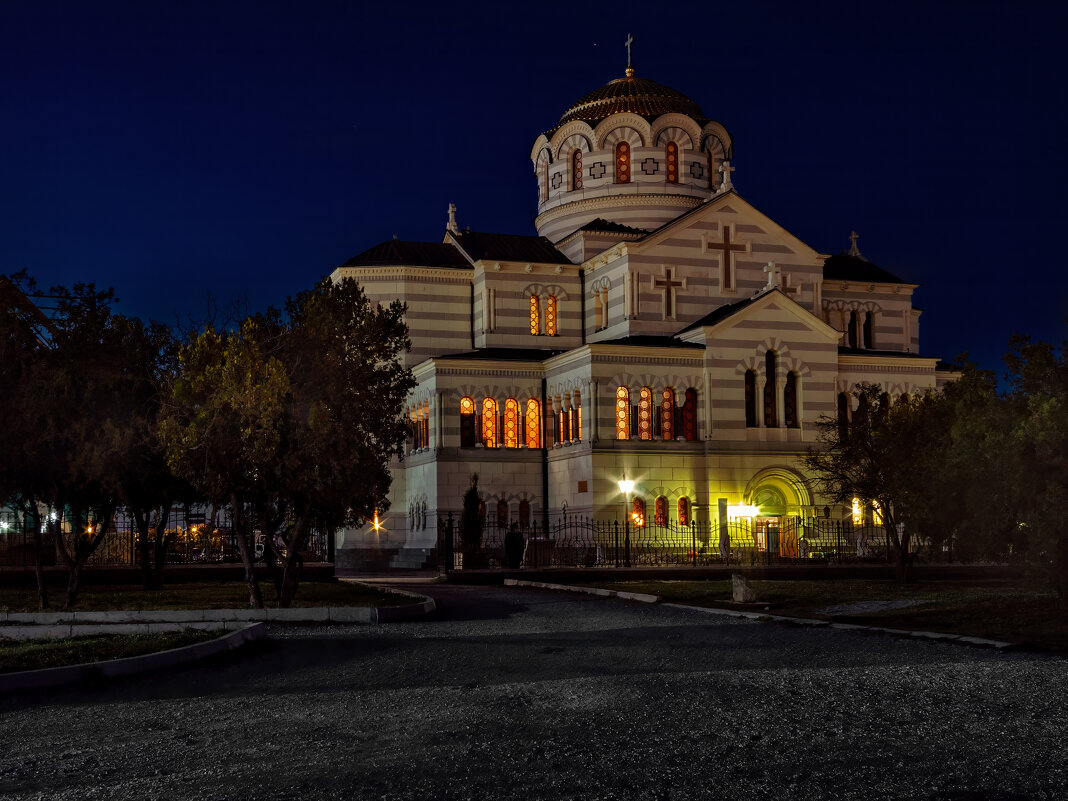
(635, 95)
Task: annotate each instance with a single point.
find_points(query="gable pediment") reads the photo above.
(753, 318)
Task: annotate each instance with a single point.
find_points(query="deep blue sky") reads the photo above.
(246, 148)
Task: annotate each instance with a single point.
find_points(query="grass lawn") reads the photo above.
(1015, 611)
(197, 595)
(35, 654)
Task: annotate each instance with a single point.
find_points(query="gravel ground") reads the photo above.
(516, 693)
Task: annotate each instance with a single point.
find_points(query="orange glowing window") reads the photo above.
(672, 163)
(489, 423)
(637, 512)
(660, 510)
(578, 421)
(576, 169)
(645, 414)
(623, 163)
(511, 423)
(550, 316)
(622, 413)
(533, 424)
(467, 422)
(667, 414)
(684, 511)
(535, 325)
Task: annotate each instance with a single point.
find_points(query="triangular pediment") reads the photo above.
(757, 315)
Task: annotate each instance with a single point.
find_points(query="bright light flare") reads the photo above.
(742, 511)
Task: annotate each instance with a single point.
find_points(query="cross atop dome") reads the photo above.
(628, 43)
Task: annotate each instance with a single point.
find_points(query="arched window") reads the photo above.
(637, 512)
(771, 413)
(550, 316)
(860, 416)
(535, 308)
(684, 511)
(660, 510)
(502, 513)
(623, 163)
(533, 438)
(750, 399)
(467, 422)
(672, 163)
(622, 413)
(843, 416)
(709, 164)
(689, 415)
(853, 332)
(869, 330)
(511, 423)
(545, 181)
(645, 414)
(789, 400)
(489, 423)
(667, 414)
(576, 169)
(561, 421)
(524, 514)
(598, 312)
(426, 424)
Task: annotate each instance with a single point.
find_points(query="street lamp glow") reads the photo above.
(742, 511)
(625, 486)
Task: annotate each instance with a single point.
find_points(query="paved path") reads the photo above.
(516, 693)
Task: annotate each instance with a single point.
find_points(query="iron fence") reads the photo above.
(576, 541)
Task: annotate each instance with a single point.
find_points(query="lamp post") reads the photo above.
(626, 487)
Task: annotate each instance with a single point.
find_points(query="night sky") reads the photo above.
(244, 149)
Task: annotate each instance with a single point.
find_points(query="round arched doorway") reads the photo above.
(781, 497)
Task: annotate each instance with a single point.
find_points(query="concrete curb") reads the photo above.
(423, 606)
(765, 617)
(115, 668)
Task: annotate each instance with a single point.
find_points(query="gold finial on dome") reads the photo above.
(628, 43)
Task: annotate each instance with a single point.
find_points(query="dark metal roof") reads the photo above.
(651, 341)
(844, 267)
(509, 247)
(417, 254)
(504, 354)
(722, 313)
(635, 95)
(607, 226)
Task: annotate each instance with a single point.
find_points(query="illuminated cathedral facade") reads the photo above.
(657, 326)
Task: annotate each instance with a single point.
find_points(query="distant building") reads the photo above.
(658, 326)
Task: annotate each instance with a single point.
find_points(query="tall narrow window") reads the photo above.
(750, 399)
(489, 423)
(660, 510)
(637, 512)
(854, 332)
(598, 318)
(869, 330)
(689, 415)
(672, 163)
(467, 422)
(511, 423)
(426, 424)
(843, 416)
(545, 181)
(561, 422)
(667, 414)
(684, 511)
(550, 316)
(535, 322)
(502, 514)
(789, 400)
(645, 414)
(578, 420)
(771, 412)
(604, 307)
(623, 163)
(860, 416)
(533, 424)
(622, 413)
(524, 514)
(576, 169)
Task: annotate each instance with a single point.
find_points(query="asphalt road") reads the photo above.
(516, 693)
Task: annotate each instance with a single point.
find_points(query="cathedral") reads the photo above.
(657, 329)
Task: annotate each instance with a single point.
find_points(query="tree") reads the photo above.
(293, 419)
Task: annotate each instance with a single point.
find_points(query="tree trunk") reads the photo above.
(241, 529)
(294, 564)
(74, 579)
(147, 577)
(162, 544)
(38, 551)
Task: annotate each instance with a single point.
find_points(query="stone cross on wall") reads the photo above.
(452, 226)
(668, 285)
(726, 169)
(774, 274)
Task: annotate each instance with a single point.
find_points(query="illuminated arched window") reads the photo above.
(672, 163)
(467, 422)
(511, 423)
(622, 163)
(622, 413)
(660, 508)
(535, 323)
(426, 424)
(489, 423)
(689, 415)
(684, 511)
(637, 512)
(750, 399)
(771, 411)
(645, 414)
(550, 316)
(667, 414)
(533, 438)
(789, 400)
(576, 169)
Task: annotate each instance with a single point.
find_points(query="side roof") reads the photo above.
(843, 267)
(417, 254)
(507, 247)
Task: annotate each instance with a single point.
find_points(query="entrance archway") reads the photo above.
(782, 497)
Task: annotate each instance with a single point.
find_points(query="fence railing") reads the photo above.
(200, 535)
(575, 541)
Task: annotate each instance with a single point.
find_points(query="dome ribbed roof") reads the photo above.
(635, 95)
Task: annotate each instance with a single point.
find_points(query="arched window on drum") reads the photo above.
(622, 413)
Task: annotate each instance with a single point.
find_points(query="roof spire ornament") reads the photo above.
(854, 251)
(628, 43)
(451, 225)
